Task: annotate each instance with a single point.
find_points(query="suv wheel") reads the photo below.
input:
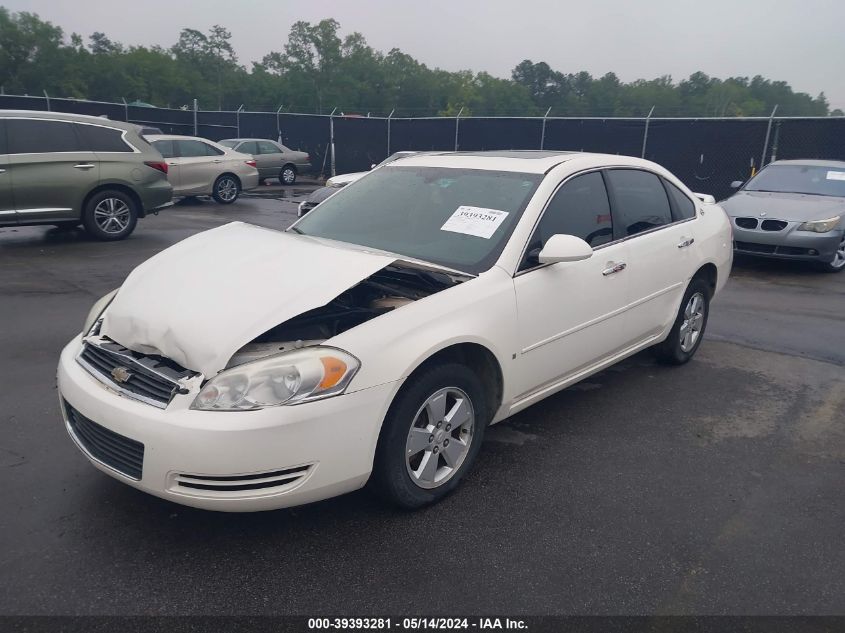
(431, 436)
(688, 330)
(110, 215)
(226, 189)
(287, 175)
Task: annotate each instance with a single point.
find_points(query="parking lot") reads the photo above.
(712, 488)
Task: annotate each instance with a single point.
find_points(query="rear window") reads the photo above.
(165, 148)
(102, 139)
(640, 200)
(41, 136)
(684, 207)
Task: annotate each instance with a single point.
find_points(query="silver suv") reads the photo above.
(66, 170)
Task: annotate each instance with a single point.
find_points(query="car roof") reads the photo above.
(65, 116)
(811, 162)
(175, 137)
(522, 161)
(241, 140)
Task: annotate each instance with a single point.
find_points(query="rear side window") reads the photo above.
(684, 207)
(268, 148)
(640, 200)
(165, 148)
(191, 149)
(579, 208)
(41, 136)
(102, 139)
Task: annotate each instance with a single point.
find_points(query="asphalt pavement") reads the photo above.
(712, 488)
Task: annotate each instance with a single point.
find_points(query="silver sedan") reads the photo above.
(199, 167)
(792, 209)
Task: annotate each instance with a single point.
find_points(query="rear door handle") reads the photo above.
(614, 268)
(687, 242)
(84, 166)
(2, 171)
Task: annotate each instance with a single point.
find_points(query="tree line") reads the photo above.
(317, 69)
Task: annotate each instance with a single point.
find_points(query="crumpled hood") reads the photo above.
(202, 299)
(792, 207)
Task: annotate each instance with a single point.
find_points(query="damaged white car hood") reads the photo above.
(202, 299)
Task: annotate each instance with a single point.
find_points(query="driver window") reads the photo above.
(579, 208)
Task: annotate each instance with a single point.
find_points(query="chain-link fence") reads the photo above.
(706, 154)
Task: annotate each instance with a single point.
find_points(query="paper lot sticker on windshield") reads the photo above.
(836, 175)
(476, 221)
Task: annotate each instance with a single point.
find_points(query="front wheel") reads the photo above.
(688, 329)
(287, 175)
(226, 189)
(431, 436)
(837, 264)
(110, 215)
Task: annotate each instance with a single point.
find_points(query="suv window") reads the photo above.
(192, 149)
(639, 200)
(40, 136)
(265, 147)
(248, 147)
(579, 208)
(102, 139)
(165, 147)
(684, 208)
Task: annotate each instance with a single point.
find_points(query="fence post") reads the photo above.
(457, 123)
(775, 142)
(768, 132)
(46, 96)
(645, 133)
(278, 124)
(543, 133)
(238, 119)
(196, 128)
(389, 116)
(331, 139)
(125, 109)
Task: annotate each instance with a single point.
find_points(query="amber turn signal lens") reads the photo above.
(333, 370)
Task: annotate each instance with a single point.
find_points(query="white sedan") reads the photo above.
(375, 340)
(199, 167)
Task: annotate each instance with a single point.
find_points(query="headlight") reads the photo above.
(95, 313)
(289, 378)
(820, 226)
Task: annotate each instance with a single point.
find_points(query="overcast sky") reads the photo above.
(801, 42)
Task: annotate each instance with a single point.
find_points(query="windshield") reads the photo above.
(229, 144)
(458, 218)
(811, 179)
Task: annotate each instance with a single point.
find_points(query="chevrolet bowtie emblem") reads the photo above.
(121, 374)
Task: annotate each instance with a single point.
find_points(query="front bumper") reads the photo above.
(789, 243)
(216, 460)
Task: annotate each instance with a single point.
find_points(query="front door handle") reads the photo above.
(614, 268)
(687, 242)
(84, 166)
(2, 171)
(173, 164)
(217, 160)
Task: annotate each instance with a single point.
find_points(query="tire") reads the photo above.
(680, 346)
(110, 215)
(439, 469)
(288, 175)
(226, 189)
(837, 264)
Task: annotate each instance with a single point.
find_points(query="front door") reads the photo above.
(50, 172)
(571, 314)
(268, 159)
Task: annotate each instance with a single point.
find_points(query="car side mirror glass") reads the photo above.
(736, 184)
(564, 248)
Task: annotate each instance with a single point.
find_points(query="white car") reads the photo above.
(249, 369)
(199, 167)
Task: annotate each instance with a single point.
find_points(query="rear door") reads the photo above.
(7, 200)
(168, 151)
(269, 159)
(50, 169)
(659, 238)
(199, 166)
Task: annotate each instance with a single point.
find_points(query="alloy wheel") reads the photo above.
(227, 189)
(693, 322)
(112, 215)
(839, 256)
(440, 437)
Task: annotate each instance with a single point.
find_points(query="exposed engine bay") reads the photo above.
(388, 289)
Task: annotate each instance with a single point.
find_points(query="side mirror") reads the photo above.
(564, 248)
(736, 184)
(705, 197)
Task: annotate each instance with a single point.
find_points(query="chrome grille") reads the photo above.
(150, 379)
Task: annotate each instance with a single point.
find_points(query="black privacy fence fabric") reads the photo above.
(706, 154)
